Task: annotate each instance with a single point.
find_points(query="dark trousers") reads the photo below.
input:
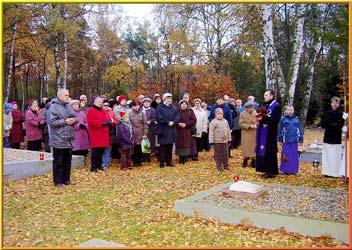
(221, 155)
(165, 153)
(34, 145)
(146, 157)
(205, 142)
(61, 165)
(137, 155)
(236, 138)
(97, 158)
(126, 159)
(16, 145)
(115, 152)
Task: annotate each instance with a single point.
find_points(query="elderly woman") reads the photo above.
(139, 124)
(184, 137)
(16, 134)
(34, 122)
(81, 144)
(150, 115)
(98, 129)
(167, 117)
(248, 124)
(202, 125)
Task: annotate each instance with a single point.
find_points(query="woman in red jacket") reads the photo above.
(98, 128)
(16, 134)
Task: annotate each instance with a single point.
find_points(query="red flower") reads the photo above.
(236, 178)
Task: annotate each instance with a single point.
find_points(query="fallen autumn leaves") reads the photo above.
(135, 208)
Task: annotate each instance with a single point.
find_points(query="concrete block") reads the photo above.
(100, 243)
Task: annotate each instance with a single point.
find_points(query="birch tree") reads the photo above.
(274, 78)
(10, 61)
(296, 53)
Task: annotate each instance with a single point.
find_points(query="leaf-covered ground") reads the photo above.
(135, 208)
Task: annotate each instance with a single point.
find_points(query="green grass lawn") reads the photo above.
(135, 208)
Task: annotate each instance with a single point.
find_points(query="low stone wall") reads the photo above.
(20, 164)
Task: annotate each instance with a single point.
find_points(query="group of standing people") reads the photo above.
(118, 127)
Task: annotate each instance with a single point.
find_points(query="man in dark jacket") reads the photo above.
(333, 164)
(266, 141)
(167, 118)
(61, 119)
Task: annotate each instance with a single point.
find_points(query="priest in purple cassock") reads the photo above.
(266, 137)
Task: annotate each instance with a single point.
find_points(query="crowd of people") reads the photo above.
(117, 128)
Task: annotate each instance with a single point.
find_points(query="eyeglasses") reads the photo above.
(106, 105)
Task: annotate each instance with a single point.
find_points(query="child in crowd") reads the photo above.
(220, 135)
(289, 135)
(126, 140)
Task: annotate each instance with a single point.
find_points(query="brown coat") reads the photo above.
(184, 136)
(248, 134)
(139, 124)
(219, 131)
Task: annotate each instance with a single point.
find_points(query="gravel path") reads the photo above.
(23, 155)
(329, 204)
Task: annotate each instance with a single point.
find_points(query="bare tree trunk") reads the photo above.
(8, 74)
(273, 71)
(14, 82)
(64, 79)
(311, 66)
(57, 64)
(296, 54)
(26, 80)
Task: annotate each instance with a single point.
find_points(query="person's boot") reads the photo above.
(253, 163)
(245, 162)
(161, 165)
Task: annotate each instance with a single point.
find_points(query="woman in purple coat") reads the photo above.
(81, 144)
(150, 114)
(34, 122)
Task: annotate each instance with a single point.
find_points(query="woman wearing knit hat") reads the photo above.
(150, 115)
(202, 126)
(156, 101)
(81, 143)
(167, 118)
(248, 125)
(122, 105)
(126, 137)
(139, 124)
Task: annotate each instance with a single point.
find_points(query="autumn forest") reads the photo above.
(300, 50)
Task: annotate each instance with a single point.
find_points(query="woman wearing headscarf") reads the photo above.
(16, 134)
(187, 120)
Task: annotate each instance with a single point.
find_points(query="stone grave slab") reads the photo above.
(100, 243)
(19, 164)
(273, 212)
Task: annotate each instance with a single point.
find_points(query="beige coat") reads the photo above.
(248, 134)
(219, 131)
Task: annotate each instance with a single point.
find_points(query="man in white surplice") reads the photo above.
(333, 164)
